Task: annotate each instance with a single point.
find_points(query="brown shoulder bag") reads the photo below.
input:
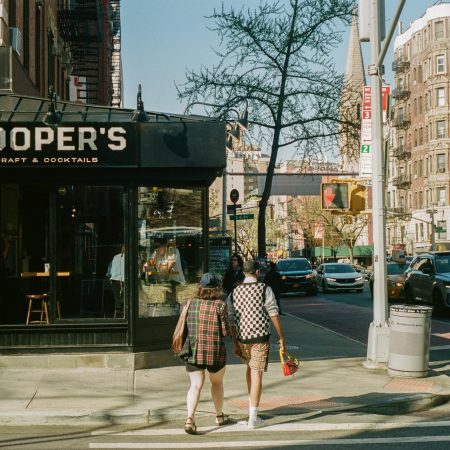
(180, 333)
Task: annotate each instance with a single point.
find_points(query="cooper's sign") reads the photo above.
(72, 144)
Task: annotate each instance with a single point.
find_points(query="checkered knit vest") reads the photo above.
(252, 320)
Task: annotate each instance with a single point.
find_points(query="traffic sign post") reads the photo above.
(234, 197)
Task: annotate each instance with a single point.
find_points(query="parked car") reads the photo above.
(395, 280)
(427, 280)
(339, 276)
(297, 275)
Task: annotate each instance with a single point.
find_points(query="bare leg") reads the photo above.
(256, 387)
(193, 395)
(248, 376)
(217, 390)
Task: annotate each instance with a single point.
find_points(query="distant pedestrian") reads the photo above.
(234, 275)
(251, 308)
(204, 349)
(273, 279)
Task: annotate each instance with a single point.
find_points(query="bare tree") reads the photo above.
(278, 59)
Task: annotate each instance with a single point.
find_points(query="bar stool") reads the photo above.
(34, 301)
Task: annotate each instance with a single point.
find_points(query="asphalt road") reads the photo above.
(350, 314)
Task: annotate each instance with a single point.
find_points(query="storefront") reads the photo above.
(103, 225)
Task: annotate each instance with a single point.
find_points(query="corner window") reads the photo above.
(440, 64)
(440, 97)
(440, 129)
(439, 30)
(170, 248)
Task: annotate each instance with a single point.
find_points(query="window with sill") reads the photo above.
(440, 129)
(439, 30)
(440, 97)
(440, 162)
(440, 64)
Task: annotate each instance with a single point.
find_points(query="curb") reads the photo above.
(396, 405)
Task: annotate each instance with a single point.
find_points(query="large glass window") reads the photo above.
(57, 243)
(91, 280)
(170, 256)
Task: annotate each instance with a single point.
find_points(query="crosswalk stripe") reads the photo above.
(279, 427)
(273, 443)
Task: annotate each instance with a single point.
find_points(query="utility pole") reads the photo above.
(432, 212)
(378, 340)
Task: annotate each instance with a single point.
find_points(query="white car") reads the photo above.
(339, 276)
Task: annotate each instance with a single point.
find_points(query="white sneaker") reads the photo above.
(255, 423)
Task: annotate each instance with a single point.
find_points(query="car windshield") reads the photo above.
(443, 263)
(396, 269)
(339, 268)
(293, 264)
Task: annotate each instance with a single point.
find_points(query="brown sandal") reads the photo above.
(222, 419)
(190, 427)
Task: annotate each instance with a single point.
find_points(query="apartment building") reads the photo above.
(418, 164)
(71, 45)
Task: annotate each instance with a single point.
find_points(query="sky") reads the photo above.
(163, 38)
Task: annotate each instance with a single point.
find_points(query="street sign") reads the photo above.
(243, 217)
(234, 195)
(230, 208)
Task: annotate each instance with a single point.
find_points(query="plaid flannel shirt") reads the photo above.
(207, 324)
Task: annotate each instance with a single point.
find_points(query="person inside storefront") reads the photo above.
(167, 261)
(234, 274)
(116, 275)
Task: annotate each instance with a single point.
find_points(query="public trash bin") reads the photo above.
(409, 340)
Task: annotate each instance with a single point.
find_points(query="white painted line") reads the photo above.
(323, 328)
(280, 427)
(280, 443)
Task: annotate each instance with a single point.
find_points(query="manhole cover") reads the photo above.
(408, 385)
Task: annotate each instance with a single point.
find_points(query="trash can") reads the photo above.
(409, 340)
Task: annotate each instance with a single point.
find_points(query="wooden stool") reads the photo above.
(43, 311)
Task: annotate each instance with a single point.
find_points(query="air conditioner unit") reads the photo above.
(15, 39)
(441, 169)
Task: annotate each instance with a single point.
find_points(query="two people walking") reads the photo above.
(245, 315)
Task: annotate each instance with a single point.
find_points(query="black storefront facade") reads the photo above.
(71, 196)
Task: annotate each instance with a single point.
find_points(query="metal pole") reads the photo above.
(224, 202)
(378, 341)
(433, 241)
(235, 228)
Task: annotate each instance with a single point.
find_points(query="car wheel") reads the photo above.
(408, 295)
(324, 286)
(438, 303)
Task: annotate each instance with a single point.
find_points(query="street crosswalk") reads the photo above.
(289, 435)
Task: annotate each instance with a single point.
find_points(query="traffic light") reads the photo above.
(335, 196)
(343, 196)
(357, 196)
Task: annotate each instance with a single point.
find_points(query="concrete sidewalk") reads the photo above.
(331, 379)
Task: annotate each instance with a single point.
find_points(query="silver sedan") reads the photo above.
(339, 276)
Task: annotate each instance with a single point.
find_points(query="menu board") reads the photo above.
(219, 254)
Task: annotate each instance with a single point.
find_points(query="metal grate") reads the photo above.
(408, 385)
(304, 402)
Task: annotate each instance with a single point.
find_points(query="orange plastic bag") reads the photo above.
(289, 363)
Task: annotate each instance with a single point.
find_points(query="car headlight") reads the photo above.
(284, 277)
(331, 279)
(311, 276)
(359, 279)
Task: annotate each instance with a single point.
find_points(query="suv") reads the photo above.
(297, 275)
(428, 280)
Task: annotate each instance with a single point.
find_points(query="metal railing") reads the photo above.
(401, 152)
(402, 181)
(399, 65)
(401, 122)
(401, 93)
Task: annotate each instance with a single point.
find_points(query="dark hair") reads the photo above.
(239, 258)
(272, 265)
(210, 293)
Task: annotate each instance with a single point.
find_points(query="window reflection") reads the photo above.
(170, 248)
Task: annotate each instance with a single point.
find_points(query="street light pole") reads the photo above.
(378, 341)
(432, 212)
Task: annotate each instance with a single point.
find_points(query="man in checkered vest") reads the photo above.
(251, 308)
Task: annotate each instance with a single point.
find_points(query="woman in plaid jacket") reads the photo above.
(204, 349)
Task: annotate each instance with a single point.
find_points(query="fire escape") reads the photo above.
(80, 26)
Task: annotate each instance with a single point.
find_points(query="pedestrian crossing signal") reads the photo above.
(335, 196)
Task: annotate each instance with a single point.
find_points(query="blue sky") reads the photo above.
(162, 38)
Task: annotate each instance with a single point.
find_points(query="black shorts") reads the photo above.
(196, 367)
